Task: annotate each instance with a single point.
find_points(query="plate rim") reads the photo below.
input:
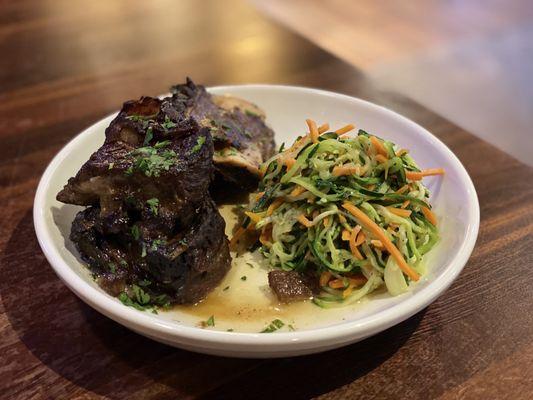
(339, 333)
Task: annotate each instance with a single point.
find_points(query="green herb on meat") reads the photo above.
(199, 143)
(151, 161)
(153, 203)
(135, 232)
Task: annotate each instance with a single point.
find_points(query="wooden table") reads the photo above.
(66, 64)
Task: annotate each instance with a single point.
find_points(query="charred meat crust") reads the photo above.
(150, 217)
(184, 266)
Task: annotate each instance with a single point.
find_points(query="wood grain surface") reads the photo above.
(65, 64)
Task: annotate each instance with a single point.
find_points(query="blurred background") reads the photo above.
(468, 60)
(471, 61)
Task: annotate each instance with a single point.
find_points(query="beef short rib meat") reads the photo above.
(241, 138)
(191, 264)
(150, 219)
(291, 286)
(150, 151)
(185, 266)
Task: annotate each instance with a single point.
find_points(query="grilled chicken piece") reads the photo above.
(184, 266)
(291, 286)
(241, 139)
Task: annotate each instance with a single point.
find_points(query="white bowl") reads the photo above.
(454, 199)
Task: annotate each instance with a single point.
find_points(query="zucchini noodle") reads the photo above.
(343, 209)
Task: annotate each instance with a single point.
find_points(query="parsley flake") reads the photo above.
(199, 143)
(135, 232)
(210, 322)
(148, 137)
(156, 243)
(154, 205)
(274, 326)
(143, 251)
(112, 267)
(168, 124)
(152, 160)
(243, 278)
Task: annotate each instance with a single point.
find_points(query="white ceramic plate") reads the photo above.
(454, 199)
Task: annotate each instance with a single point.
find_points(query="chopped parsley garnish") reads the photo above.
(144, 282)
(161, 144)
(274, 326)
(210, 322)
(183, 242)
(154, 205)
(199, 143)
(243, 278)
(291, 328)
(156, 243)
(226, 288)
(168, 124)
(143, 250)
(135, 232)
(251, 113)
(139, 299)
(140, 295)
(148, 137)
(250, 265)
(135, 296)
(111, 165)
(112, 267)
(230, 330)
(152, 160)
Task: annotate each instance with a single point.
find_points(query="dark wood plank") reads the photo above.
(70, 63)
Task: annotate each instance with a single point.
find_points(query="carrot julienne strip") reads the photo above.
(289, 162)
(416, 176)
(345, 129)
(353, 245)
(400, 212)
(380, 149)
(253, 216)
(430, 215)
(324, 278)
(345, 170)
(304, 221)
(298, 190)
(346, 235)
(381, 159)
(378, 232)
(275, 204)
(402, 189)
(235, 239)
(313, 130)
(323, 128)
